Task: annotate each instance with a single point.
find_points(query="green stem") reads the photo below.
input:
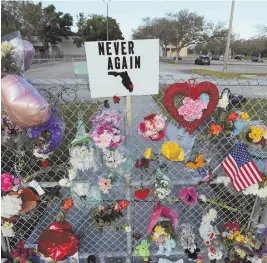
(215, 202)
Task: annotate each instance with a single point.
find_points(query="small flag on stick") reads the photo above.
(239, 166)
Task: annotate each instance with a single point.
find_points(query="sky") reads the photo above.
(129, 14)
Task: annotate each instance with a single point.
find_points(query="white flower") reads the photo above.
(7, 229)
(128, 229)
(83, 158)
(254, 259)
(216, 255)
(224, 101)
(262, 192)
(72, 174)
(251, 190)
(113, 159)
(210, 216)
(65, 182)
(223, 179)
(82, 189)
(203, 198)
(224, 234)
(11, 205)
(40, 155)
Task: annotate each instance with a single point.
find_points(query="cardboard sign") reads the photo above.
(123, 67)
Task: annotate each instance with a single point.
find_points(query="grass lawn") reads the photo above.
(228, 75)
(255, 107)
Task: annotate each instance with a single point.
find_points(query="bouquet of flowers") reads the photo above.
(47, 136)
(9, 129)
(84, 194)
(106, 215)
(255, 135)
(83, 158)
(154, 127)
(105, 134)
(17, 202)
(162, 185)
(110, 117)
(118, 161)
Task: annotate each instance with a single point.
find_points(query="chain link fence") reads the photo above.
(72, 98)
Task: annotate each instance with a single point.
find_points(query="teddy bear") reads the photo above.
(192, 255)
(143, 250)
(168, 245)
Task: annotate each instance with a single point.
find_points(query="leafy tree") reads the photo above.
(159, 28)
(35, 22)
(95, 29)
(188, 28)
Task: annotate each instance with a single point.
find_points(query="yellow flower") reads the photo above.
(148, 153)
(159, 229)
(236, 233)
(5, 48)
(172, 151)
(244, 116)
(230, 237)
(256, 133)
(240, 252)
(240, 238)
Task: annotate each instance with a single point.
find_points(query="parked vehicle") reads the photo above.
(202, 60)
(239, 57)
(256, 59)
(215, 57)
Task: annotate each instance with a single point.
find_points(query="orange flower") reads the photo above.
(232, 117)
(215, 129)
(123, 203)
(68, 204)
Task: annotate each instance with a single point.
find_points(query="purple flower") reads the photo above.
(188, 195)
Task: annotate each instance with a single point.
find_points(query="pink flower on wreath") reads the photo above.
(105, 185)
(7, 182)
(192, 109)
(188, 195)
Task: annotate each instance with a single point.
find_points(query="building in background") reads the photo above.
(65, 48)
(171, 52)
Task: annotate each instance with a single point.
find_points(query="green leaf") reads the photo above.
(60, 216)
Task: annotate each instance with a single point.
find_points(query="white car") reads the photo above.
(222, 57)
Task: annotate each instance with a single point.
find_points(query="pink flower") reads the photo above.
(117, 207)
(101, 208)
(192, 109)
(7, 182)
(153, 128)
(188, 195)
(104, 185)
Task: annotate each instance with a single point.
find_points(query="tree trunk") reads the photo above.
(177, 54)
(165, 53)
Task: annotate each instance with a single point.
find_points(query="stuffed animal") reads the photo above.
(143, 250)
(168, 246)
(192, 255)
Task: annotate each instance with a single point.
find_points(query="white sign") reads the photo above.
(123, 67)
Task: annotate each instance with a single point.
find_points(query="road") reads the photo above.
(58, 69)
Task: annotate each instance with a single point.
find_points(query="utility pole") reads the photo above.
(107, 2)
(226, 54)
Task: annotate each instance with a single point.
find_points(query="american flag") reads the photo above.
(239, 166)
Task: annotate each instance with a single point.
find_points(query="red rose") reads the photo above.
(212, 249)
(7, 182)
(232, 117)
